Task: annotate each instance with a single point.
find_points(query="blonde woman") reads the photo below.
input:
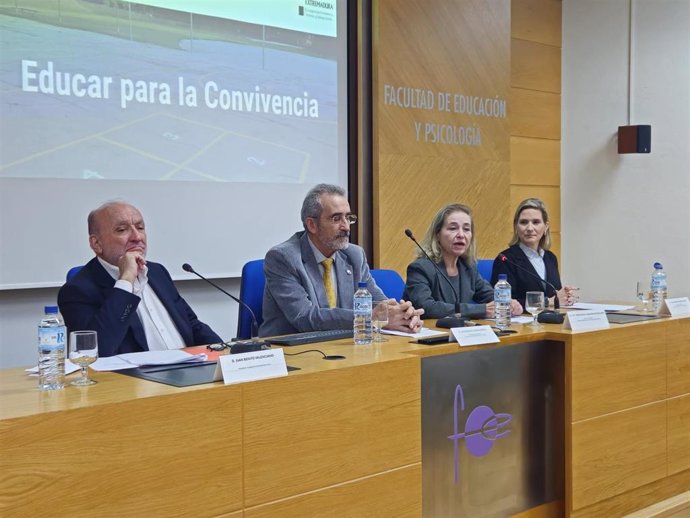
(451, 244)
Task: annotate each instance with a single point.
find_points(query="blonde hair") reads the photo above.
(536, 204)
(430, 241)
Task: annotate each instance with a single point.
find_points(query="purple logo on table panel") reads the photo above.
(482, 428)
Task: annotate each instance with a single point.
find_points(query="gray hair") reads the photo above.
(430, 241)
(536, 204)
(311, 206)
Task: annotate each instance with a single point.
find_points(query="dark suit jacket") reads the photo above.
(294, 296)
(520, 281)
(89, 301)
(425, 289)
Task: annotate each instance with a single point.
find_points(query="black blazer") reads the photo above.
(520, 281)
(90, 301)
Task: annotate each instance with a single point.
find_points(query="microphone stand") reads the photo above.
(556, 302)
(450, 321)
(240, 347)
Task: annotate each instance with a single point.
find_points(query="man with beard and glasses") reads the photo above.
(311, 278)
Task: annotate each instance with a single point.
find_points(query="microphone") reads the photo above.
(255, 326)
(556, 303)
(446, 322)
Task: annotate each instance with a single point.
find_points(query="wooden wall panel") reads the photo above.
(637, 499)
(537, 20)
(535, 161)
(142, 471)
(289, 452)
(483, 189)
(550, 195)
(679, 434)
(617, 453)
(435, 45)
(535, 102)
(439, 46)
(395, 494)
(535, 66)
(535, 114)
(678, 357)
(602, 383)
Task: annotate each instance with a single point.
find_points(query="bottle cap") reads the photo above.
(361, 284)
(657, 266)
(502, 276)
(50, 309)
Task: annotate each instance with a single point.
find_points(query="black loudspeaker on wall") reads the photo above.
(635, 139)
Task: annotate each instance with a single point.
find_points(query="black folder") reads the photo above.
(179, 374)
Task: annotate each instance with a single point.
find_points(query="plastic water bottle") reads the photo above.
(51, 350)
(362, 307)
(502, 296)
(658, 286)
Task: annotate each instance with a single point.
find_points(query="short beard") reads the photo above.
(339, 243)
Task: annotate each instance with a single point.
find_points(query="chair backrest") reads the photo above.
(74, 271)
(252, 294)
(390, 282)
(485, 267)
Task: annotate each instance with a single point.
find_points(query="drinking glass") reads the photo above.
(83, 350)
(643, 295)
(379, 319)
(534, 304)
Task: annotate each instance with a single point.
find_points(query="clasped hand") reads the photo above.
(131, 264)
(402, 316)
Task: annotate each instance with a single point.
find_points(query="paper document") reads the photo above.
(69, 368)
(423, 332)
(131, 360)
(521, 320)
(599, 307)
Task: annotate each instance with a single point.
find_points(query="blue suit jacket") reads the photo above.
(89, 301)
(294, 296)
(520, 281)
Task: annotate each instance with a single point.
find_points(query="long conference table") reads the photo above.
(607, 432)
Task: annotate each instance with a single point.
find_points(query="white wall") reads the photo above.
(20, 311)
(620, 213)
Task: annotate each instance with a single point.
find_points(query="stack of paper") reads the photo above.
(131, 360)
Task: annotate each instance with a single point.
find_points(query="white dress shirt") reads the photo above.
(537, 260)
(161, 332)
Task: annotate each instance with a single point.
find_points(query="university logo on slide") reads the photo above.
(482, 428)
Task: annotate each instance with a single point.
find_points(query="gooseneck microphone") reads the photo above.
(556, 302)
(255, 325)
(446, 322)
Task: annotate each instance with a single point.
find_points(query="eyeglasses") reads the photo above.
(337, 219)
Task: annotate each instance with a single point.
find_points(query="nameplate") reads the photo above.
(475, 335)
(586, 320)
(259, 365)
(678, 307)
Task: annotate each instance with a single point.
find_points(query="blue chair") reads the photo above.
(485, 268)
(252, 294)
(74, 271)
(390, 282)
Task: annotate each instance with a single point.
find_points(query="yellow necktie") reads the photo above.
(328, 281)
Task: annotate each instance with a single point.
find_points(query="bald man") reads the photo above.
(132, 303)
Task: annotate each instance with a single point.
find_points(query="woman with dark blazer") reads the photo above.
(529, 252)
(450, 243)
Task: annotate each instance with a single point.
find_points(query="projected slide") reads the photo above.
(242, 91)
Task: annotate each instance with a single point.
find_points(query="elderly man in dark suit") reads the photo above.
(132, 303)
(311, 278)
